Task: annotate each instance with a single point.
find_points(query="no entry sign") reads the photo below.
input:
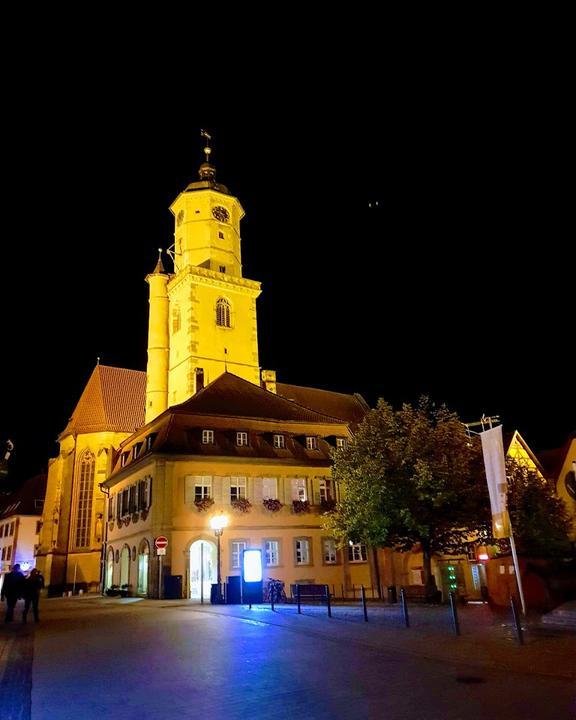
(161, 542)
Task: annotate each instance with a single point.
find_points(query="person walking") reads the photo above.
(12, 589)
(32, 586)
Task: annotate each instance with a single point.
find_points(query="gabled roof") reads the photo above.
(232, 396)
(114, 400)
(553, 460)
(515, 436)
(351, 408)
(27, 500)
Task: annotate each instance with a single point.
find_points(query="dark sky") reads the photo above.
(460, 284)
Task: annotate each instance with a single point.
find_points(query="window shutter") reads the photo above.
(316, 490)
(257, 490)
(294, 484)
(224, 483)
(216, 491)
(189, 485)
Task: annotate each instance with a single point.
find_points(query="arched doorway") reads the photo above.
(125, 566)
(110, 569)
(143, 563)
(203, 570)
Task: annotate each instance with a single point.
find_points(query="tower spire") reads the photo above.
(207, 171)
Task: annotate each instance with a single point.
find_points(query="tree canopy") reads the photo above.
(540, 519)
(411, 476)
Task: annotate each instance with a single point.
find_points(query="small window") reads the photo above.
(199, 378)
(124, 458)
(299, 489)
(325, 490)
(136, 450)
(222, 268)
(329, 548)
(241, 439)
(9, 552)
(311, 443)
(221, 236)
(238, 547)
(38, 504)
(340, 443)
(271, 553)
(279, 441)
(207, 437)
(237, 488)
(176, 319)
(13, 525)
(150, 441)
(357, 552)
(269, 488)
(302, 552)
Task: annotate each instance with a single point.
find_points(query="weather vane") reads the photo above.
(207, 149)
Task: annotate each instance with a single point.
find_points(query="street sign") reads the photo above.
(161, 542)
(160, 551)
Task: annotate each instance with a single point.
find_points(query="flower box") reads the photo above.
(204, 503)
(241, 504)
(272, 504)
(300, 506)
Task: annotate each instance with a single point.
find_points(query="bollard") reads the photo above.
(404, 607)
(517, 623)
(454, 613)
(363, 596)
(298, 599)
(329, 607)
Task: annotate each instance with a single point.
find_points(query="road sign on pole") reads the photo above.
(161, 542)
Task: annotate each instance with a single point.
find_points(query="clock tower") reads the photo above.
(206, 310)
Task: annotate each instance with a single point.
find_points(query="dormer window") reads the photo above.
(279, 441)
(241, 439)
(311, 442)
(124, 458)
(340, 443)
(150, 441)
(207, 437)
(136, 450)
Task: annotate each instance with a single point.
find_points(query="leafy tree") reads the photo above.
(540, 519)
(411, 476)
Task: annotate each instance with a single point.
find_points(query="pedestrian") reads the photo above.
(32, 586)
(12, 589)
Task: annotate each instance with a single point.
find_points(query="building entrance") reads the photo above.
(202, 569)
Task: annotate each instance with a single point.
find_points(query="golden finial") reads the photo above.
(207, 149)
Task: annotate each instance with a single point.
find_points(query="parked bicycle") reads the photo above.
(274, 590)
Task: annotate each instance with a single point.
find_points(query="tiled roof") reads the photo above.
(114, 399)
(229, 405)
(232, 396)
(351, 408)
(27, 500)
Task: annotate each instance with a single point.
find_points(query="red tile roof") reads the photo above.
(114, 399)
(27, 500)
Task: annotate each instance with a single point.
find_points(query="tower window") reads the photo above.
(176, 319)
(220, 235)
(84, 490)
(223, 313)
(207, 437)
(222, 268)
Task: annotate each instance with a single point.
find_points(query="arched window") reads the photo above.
(84, 492)
(223, 313)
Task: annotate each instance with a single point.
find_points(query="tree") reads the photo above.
(411, 476)
(540, 519)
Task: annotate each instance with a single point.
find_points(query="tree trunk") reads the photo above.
(429, 579)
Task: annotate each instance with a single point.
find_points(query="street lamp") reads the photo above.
(218, 523)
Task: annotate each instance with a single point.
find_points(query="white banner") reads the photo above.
(494, 463)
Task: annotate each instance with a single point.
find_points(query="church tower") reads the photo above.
(205, 312)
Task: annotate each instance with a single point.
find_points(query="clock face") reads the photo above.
(220, 213)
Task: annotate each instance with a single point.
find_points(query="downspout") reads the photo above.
(106, 492)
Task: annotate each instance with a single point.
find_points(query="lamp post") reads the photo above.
(218, 523)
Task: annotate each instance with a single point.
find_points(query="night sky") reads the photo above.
(458, 284)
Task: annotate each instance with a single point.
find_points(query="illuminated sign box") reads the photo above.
(252, 566)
